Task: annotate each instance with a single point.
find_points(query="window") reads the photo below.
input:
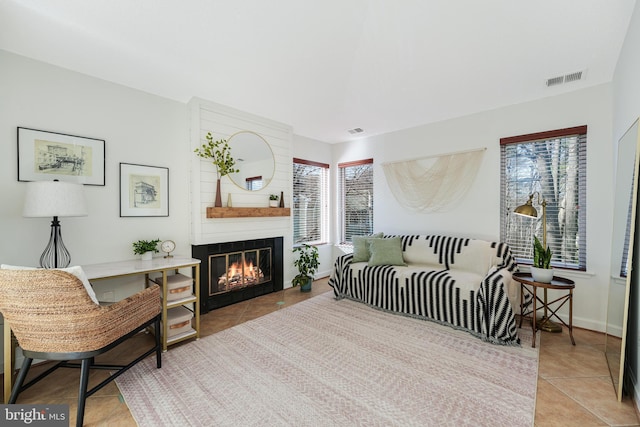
(552, 166)
(253, 183)
(356, 198)
(310, 202)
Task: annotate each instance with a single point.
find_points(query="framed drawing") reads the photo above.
(45, 156)
(144, 190)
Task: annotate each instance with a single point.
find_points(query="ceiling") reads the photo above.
(328, 66)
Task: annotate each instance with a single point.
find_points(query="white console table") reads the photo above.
(110, 270)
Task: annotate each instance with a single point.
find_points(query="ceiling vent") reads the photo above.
(567, 78)
(355, 131)
(555, 81)
(573, 77)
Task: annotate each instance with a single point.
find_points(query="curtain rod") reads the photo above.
(436, 155)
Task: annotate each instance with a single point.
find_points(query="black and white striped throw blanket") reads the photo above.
(458, 282)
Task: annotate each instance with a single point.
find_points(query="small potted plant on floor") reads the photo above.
(273, 200)
(541, 270)
(307, 263)
(146, 248)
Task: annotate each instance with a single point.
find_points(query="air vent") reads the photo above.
(555, 81)
(567, 78)
(573, 77)
(355, 131)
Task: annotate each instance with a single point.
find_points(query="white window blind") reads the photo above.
(627, 233)
(552, 166)
(310, 202)
(356, 198)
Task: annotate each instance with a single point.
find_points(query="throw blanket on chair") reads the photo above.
(455, 281)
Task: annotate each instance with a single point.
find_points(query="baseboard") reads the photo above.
(581, 322)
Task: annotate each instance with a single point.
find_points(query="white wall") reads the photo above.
(626, 109)
(477, 215)
(137, 127)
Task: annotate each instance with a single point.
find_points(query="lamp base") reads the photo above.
(548, 326)
(55, 255)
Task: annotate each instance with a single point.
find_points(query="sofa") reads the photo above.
(460, 282)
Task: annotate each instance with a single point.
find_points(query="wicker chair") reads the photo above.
(53, 318)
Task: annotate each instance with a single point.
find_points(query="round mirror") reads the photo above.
(254, 160)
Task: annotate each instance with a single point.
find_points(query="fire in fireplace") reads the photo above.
(231, 272)
(239, 269)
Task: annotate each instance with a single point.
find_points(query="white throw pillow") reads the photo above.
(76, 270)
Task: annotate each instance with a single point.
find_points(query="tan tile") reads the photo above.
(104, 411)
(597, 395)
(258, 311)
(587, 337)
(565, 360)
(554, 408)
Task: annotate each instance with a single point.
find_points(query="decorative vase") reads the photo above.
(147, 256)
(229, 204)
(282, 199)
(218, 203)
(542, 275)
(306, 287)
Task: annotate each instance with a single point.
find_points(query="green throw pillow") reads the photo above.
(361, 247)
(386, 251)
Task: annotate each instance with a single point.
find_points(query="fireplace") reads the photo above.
(236, 271)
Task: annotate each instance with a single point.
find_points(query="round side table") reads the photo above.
(557, 283)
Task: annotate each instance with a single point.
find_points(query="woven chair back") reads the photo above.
(48, 310)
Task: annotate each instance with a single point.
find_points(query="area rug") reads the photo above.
(323, 362)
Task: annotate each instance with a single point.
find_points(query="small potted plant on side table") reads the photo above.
(146, 248)
(273, 200)
(541, 270)
(307, 263)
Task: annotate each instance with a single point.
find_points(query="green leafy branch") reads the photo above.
(220, 154)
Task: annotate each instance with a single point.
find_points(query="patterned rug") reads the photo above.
(324, 362)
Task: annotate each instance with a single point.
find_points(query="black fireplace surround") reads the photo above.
(202, 252)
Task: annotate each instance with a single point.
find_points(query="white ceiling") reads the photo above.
(328, 66)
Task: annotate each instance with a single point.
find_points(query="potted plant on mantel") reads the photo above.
(273, 200)
(146, 248)
(307, 263)
(220, 154)
(541, 270)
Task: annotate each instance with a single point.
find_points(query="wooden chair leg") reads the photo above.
(22, 375)
(82, 392)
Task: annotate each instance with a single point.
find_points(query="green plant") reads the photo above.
(541, 256)
(307, 263)
(273, 197)
(142, 246)
(220, 154)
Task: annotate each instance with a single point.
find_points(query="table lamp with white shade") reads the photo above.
(54, 199)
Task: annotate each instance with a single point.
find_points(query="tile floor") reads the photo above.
(574, 387)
